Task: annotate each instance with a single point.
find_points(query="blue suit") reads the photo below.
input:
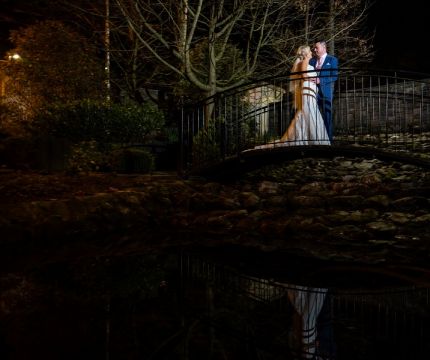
(328, 76)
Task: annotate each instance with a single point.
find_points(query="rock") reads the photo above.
(333, 203)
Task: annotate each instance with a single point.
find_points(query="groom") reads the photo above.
(327, 68)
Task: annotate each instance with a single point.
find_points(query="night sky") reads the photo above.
(399, 42)
(401, 31)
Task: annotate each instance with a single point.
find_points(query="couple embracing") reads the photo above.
(312, 80)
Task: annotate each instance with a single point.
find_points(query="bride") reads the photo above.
(307, 126)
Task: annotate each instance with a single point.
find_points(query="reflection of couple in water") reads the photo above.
(312, 85)
(311, 321)
(312, 327)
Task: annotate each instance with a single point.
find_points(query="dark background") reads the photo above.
(400, 35)
(399, 43)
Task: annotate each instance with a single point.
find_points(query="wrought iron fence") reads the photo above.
(369, 108)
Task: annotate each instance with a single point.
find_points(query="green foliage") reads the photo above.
(206, 145)
(104, 123)
(57, 65)
(12, 121)
(85, 157)
(132, 160)
(171, 135)
(88, 156)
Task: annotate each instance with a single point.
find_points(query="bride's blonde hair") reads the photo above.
(294, 85)
(301, 53)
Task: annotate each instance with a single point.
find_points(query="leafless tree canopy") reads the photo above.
(212, 45)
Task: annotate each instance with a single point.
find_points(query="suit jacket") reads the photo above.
(328, 74)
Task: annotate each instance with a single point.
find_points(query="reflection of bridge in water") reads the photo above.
(374, 114)
(278, 320)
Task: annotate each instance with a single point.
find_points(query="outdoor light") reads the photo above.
(14, 57)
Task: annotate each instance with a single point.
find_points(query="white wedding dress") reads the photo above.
(307, 126)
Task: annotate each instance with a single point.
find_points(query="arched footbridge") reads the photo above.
(381, 114)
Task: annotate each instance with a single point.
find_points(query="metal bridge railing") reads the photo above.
(369, 108)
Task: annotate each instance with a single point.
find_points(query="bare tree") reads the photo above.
(201, 47)
(348, 34)
(129, 67)
(174, 31)
(343, 24)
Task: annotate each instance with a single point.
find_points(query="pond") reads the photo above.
(217, 303)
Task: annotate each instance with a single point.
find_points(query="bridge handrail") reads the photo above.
(368, 108)
(391, 74)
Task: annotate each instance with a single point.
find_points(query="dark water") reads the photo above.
(211, 305)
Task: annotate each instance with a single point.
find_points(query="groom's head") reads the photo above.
(320, 48)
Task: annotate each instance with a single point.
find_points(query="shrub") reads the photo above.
(131, 160)
(85, 157)
(87, 121)
(206, 145)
